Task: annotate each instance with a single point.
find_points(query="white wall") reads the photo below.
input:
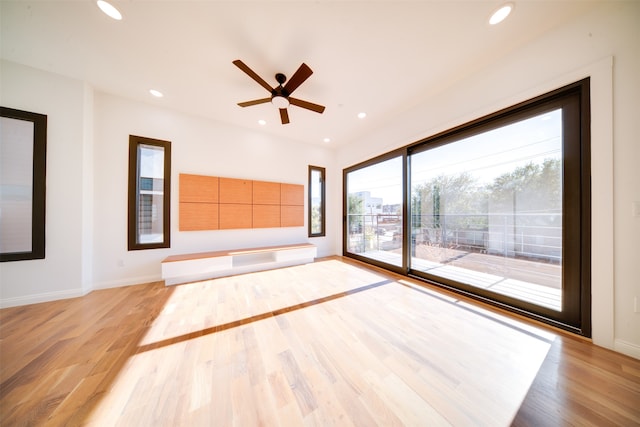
(87, 160)
(604, 45)
(198, 146)
(60, 274)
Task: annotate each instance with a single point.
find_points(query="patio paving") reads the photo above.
(532, 281)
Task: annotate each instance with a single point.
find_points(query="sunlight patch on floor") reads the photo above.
(233, 299)
(393, 352)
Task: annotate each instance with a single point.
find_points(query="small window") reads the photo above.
(316, 201)
(149, 193)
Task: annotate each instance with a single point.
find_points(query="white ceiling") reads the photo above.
(380, 57)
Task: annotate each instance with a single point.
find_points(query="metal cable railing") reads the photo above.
(522, 235)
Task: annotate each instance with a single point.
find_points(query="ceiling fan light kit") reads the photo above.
(280, 101)
(280, 95)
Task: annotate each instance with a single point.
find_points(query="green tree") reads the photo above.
(450, 195)
(532, 188)
(355, 210)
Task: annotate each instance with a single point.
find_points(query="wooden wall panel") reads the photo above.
(213, 203)
(239, 191)
(234, 215)
(198, 188)
(292, 194)
(266, 216)
(291, 216)
(198, 216)
(266, 193)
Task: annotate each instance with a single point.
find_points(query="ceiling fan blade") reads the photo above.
(254, 102)
(238, 63)
(306, 104)
(298, 78)
(284, 116)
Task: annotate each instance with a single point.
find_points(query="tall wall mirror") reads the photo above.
(23, 148)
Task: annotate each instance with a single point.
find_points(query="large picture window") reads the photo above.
(498, 209)
(149, 193)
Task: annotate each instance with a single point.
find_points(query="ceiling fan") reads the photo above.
(281, 95)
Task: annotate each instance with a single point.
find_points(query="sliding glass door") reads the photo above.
(498, 209)
(487, 210)
(374, 215)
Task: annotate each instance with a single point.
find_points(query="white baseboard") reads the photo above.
(38, 298)
(126, 282)
(54, 296)
(627, 348)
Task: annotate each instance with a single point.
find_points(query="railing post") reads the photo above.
(443, 231)
(364, 233)
(376, 232)
(504, 236)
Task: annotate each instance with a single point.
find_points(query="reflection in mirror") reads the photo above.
(22, 184)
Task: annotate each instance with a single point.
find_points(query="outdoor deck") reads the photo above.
(535, 282)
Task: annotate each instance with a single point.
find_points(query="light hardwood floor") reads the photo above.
(328, 343)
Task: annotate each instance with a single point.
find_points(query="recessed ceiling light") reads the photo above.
(327, 140)
(501, 13)
(156, 93)
(362, 115)
(262, 122)
(109, 10)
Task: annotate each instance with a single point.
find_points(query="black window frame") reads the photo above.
(323, 200)
(398, 153)
(576, 315)
(133, 193)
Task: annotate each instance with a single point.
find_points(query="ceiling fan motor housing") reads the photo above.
(279, 90)
(281, 78)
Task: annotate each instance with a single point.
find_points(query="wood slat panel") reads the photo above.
(292, 195)
(292, 216)
(198, 216)
(266, 216)
(198, 188)
(266, 193)
(232, 191)
(234, 215)
(239, 191)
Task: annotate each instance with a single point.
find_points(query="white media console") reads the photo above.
(208, 265)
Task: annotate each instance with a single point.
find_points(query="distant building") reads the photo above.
(372, 205)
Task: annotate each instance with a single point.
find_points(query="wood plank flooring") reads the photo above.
(333, 343)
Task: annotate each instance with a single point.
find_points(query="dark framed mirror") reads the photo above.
(23, 150)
